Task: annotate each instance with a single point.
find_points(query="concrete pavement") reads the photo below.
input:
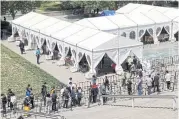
(59, 72)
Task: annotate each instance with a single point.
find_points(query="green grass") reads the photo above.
(52, 6)
(17, 73)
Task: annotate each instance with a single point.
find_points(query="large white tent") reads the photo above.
(80, 40)
(133, 20)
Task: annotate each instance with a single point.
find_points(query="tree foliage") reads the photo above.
(12, 7)
(91, 4)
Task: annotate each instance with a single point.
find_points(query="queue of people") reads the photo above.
(72, 95)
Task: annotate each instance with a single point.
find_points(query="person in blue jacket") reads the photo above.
(38, 55)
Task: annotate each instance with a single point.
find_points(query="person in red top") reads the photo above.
(94, 92)
(113, 67)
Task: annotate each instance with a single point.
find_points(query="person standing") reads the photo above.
(133, 70)
(139, 85)
(44, 93)
(38, 55)
(13, 103)
(94, 92)
(21, 45)
(149, 84)
(103, 92)
(79, 95)
(48, 103)
(70, 80)
(97, 10)
(168, 79)
(4, 18)
(139, 66)
(93, 80)
(54, 101)
(73, 97)
(4, 102)
(156, 82)
(129, 87)
(106, 83)
(32, 100)
(9, 94)
(52, 90)
(135, 61)
(113, 65)
(28, 90)
(129, 60)
(26, 105)
(66, 98)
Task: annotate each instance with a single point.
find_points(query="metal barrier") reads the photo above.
(172, 60)
(174, 97)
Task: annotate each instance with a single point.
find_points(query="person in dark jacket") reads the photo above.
(97, 10)
(66, 98)
(135, 61)
(4, 102)
(106, 83)
(32, 100)
(4, 18)
(129, 87)
(139, 66)
(21, 45)
(9, 94)
(73, 97)
(79, 95)
(156, 82)
(44, 93)
(54, 101)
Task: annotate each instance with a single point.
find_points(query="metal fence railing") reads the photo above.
(172, 60)
(173, 97)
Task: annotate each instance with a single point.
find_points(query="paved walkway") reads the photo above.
(59, 72)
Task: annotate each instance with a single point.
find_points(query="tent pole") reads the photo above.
(118, 46)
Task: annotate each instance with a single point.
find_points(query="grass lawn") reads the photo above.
(16, 73)
(50, 5)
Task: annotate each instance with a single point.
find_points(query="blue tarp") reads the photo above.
(107, 13)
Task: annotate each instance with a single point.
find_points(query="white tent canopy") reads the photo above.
(133, 20)
(95, 44)
(55, 27)
(45, 23)
(176, 25)
(101, 23)
(16, 24)
(172, 13)
(128, 8)
(92, 43)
